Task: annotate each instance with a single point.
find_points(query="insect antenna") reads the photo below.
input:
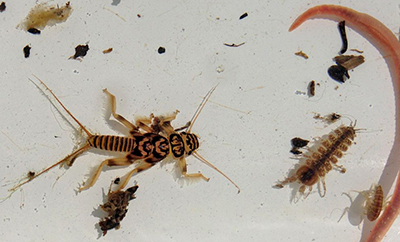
(199, 157)
(69, 157)
(62, 105)
(199, 109)
(74, 154)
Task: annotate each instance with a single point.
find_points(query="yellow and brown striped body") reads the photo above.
(149, 146)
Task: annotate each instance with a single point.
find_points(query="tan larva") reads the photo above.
(42, 15)
(375, 202)
(321, 159)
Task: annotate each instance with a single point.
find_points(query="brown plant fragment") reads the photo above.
(116, 207)
(302, 54)
(311, 88)
(107, 50)
(349, 61)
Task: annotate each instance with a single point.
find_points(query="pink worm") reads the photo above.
(386, 42)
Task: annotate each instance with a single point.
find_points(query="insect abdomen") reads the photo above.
(375, 205)
(112, 143)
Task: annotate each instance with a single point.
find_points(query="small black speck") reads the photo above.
(34, 31)
(243, 16)
(27, 51)
(338, 73)
(2, 6)
(117, 180)
(161, 50)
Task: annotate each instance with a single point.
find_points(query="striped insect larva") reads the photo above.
(374, 203)
(150, 140)
(322, 158)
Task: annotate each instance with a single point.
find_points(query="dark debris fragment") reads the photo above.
(116, 207)
(342, 30)
(311, 88)
(234, 45)
(338, 73)
(80, 51)
(296, 144)
(33, 31)
(2, 6)
(299, 142)
(161, 50)
(243, 16)
(295, 151)
(27, 51)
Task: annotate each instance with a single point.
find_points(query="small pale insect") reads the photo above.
(374, 202)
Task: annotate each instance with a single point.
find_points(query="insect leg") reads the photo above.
(121, 161)
(287, 181)
(163, 123)
(118, 117)
(339, 167)
(324, 186)
(69, 160)
(182, 165)
(168, 118)
(309, 191)
(184, 127)
(143, 123)
(143, 167)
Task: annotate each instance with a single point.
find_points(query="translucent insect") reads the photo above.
(374, 202)
(329, 118)
(322, 157)
(150, 140)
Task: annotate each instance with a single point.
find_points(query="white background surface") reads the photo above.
(245, 129)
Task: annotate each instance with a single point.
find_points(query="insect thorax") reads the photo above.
(183, 144)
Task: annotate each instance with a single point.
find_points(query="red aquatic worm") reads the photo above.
(388, 45)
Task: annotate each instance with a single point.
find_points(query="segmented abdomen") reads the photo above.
(320, 162)
(375, 204)
(112, 143)
(333, 147)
